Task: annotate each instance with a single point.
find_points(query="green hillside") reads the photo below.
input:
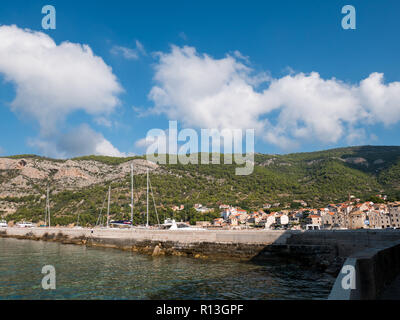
(318, 178)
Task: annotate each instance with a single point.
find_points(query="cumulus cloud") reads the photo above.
(382, 101)
(310, 108)
(77, 142)
(53, 81)
(205, 92)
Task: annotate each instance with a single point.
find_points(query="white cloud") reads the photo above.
(80, 141)
(2, 151)
(144, 142)
(84, 140)
(204, 92)
(240, 56)
(311, 108)
(382, 101)
(128, 53)
(161, 138)
(53, 81)
(140, 47)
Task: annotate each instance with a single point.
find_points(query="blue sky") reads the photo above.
(282, 42)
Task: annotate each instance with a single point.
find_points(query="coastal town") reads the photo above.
(77, 194)
(352, 214)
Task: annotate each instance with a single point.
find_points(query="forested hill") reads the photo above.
(79, 185)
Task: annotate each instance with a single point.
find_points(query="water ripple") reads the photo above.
(97, 273)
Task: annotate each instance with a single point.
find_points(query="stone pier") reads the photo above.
(326, 250)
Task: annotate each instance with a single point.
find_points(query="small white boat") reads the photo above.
(25, 225)
(121, 223)
(170, 224)
(3, 224)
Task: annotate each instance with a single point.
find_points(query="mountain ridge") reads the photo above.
(79, 185)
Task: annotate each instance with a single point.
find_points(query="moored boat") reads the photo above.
(170, 224)
(25, 224)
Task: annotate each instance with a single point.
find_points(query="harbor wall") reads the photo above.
(325, 250)
(374, 269)
(207, 243)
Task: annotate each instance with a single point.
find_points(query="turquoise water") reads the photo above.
(98, 273)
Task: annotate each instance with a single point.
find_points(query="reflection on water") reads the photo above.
(97, 273)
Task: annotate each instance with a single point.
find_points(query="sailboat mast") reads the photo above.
(147, 224)
(45, 214)
(108, 207)
(48, 204)
(131, 195)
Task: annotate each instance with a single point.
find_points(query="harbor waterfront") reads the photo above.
(325, 250)
(231, 153)
(101, 273)
(182, 264)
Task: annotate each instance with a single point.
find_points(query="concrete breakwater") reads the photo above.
(375, 269)
(234, 244)
(325, 250)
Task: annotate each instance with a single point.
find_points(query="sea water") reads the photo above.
(100, 273)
